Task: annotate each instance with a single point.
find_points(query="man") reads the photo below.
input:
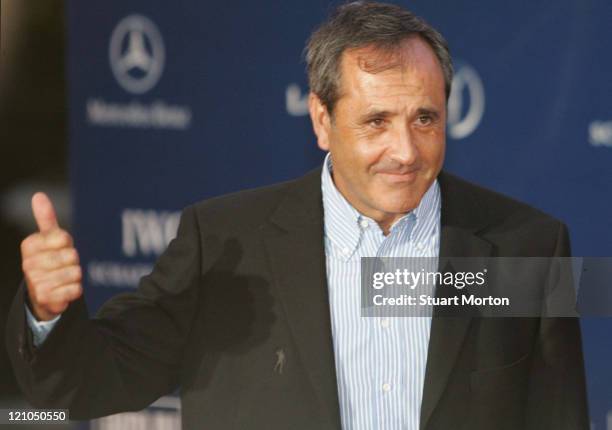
(253, 310)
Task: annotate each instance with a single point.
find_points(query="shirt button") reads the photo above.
(364, 223)
(345, 251)
(420, 246)
(384, 322)
(386, 387)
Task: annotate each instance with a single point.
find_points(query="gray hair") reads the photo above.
(359, 24)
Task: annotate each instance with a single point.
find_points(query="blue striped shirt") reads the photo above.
(380, 362)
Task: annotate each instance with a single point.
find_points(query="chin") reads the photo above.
(402, 207)
(403, 202)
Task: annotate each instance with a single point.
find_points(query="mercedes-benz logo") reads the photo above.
(136, 54)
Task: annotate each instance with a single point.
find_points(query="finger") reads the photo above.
(50, 260)
(65, 293)
(58, 239)
(46, 281)
(44, 213)
(32, 244)
(37, 242)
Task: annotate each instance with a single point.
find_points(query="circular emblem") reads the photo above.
(136, 54)
(463, 120)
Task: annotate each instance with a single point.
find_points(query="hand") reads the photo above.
(50, 263)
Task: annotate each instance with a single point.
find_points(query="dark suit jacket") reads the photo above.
(246, 277)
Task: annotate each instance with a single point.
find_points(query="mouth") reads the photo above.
(400, 177)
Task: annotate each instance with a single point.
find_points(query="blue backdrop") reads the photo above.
(171, 103)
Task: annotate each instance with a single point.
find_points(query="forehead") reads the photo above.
(410, 68)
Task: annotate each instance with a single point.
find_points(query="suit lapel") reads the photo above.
(460, 223)
(294, 243)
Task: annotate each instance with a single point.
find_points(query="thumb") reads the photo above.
(44, 212)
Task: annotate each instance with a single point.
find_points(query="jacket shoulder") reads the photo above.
(251, 207)
(494, 207)
(514, 226)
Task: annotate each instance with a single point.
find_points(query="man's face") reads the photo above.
(387, 133)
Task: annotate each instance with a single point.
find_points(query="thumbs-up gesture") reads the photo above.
(50, 263)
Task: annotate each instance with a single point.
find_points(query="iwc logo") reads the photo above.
(136, 54)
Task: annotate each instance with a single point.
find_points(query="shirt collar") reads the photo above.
(340, 217)
(342, 220)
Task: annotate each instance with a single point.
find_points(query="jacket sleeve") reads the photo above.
(129, 354)
(557, 396)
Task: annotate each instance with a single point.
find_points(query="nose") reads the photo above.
(403, 149)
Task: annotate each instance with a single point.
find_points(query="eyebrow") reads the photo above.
(375, 113)
(431, 112)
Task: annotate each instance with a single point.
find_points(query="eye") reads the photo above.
(377, 122)
(424, 119)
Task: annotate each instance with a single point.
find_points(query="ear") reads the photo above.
(321, 121)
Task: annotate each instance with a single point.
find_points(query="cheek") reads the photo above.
(367, 155)
(432, 152)
(358, 154)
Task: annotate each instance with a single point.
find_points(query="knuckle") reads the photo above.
(66, 239)
(72, 273)
(24, 246)
(27, 245)
(49, 260)
(60, 238)
(26, 265)
(62, 276)
(65, 255)
(57, 239)
(45, 261)
(54, 259)
(75, 292)
(75, 256)
(30, 266)
(37, 279)
(42, 285)
(71, 256)
(76, 272)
